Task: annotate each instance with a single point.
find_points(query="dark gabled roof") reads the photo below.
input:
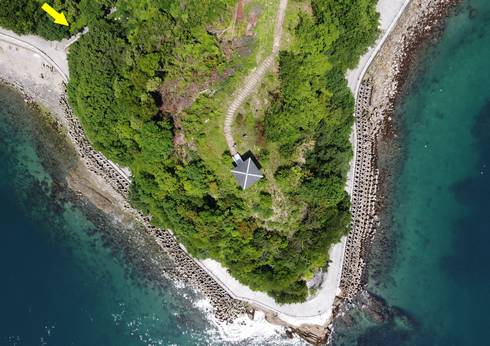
(246, 173)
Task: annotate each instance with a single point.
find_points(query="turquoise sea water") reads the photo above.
(438, 214)
(71, 275)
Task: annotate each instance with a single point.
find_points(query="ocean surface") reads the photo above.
(435, 272)
(70, 275)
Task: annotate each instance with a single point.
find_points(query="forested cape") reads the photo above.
(151, 81)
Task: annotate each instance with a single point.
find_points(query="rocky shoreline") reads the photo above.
(107, 186)
(185, 268)
(380, 87)
(374, 108)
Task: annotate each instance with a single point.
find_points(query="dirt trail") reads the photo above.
(254, 78)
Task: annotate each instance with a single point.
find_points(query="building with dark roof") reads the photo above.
(246, 171)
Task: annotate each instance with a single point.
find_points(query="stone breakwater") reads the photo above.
(363, 197)
(374, 110)
(185, 267)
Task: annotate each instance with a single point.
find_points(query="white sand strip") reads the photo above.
(52, 51)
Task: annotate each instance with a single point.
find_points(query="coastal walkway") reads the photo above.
(336, 283)
(226, 298)
(252, 81)
(363, 177)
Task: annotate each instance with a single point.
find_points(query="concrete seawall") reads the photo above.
(363, 196)
(375, 99)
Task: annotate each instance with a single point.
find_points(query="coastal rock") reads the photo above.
(472, 13)
(378, 91)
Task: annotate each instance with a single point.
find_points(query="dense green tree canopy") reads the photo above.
(150, 79)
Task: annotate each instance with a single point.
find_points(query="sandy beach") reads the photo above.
(33, 69)
(39, 69)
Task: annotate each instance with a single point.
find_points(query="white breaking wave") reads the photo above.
(243, 330)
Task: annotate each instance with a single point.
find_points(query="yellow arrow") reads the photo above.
(59, 18)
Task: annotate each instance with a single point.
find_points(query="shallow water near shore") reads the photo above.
(71, 275)
(438, 217)
(64, 278)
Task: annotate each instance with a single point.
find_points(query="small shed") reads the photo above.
(246, 172)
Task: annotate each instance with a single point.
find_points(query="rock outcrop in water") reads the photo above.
(370, 311)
